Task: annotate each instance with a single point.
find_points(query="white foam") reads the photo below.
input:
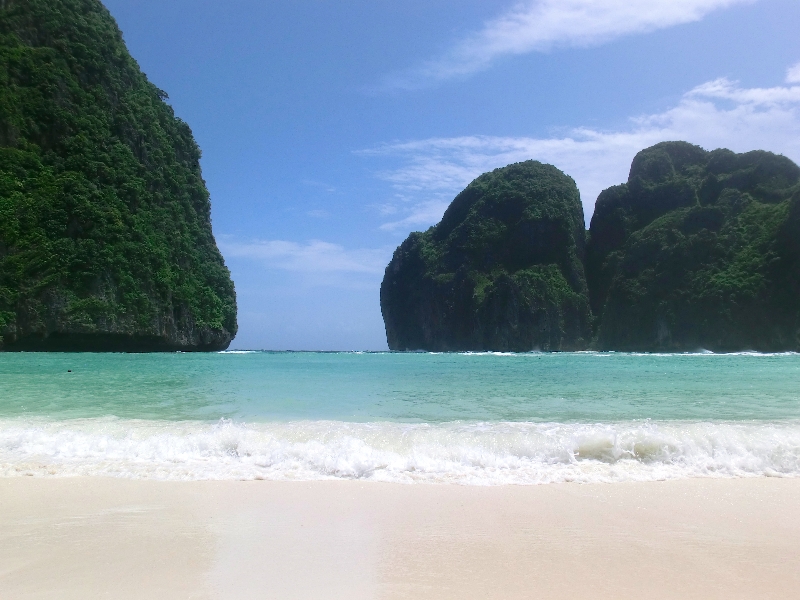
(704, 353)
(464, 453)
(497, 353)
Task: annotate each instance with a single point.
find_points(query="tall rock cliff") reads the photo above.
(698, 250)
(502, 270)
(105, 232)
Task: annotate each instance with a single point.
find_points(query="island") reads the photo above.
(503, 270)
(105, 227)
(698, 250)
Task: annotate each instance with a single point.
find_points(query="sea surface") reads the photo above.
(471, 418)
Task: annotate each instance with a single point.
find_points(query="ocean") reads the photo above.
(463, 418)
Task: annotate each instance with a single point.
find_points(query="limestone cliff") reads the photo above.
(502, 270)
(105, 232)
(698, 250)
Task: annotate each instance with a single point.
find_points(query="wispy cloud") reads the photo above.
(314, 257)
(793, 74)
(724, 89)
(541, 25)
(718, 113)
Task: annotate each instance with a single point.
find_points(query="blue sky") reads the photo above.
(330, 130)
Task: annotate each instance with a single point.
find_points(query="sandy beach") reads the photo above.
(112, 538)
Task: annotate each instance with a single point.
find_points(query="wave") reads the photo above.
(497, 353)
(708, 353)
(462, 453)
(700, 352)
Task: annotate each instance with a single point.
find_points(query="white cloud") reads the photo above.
(540, 25)
(314, 257)
(724, 89)
(715, 114)
(793, 74)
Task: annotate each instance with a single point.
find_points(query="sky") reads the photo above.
(331, 130)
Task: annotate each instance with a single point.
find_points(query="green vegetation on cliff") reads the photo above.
(698, 250)
(501, 271)
(105, 233)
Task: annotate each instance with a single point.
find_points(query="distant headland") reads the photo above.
(105, 230)
(698, 250)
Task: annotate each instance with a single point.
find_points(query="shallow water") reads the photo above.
(481, 418)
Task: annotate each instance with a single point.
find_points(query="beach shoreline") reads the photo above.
(95, 537)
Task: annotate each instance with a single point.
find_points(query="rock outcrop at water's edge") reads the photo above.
(502, 270)
(105, 230)
(698, 250)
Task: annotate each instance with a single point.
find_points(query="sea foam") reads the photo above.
(458, 452)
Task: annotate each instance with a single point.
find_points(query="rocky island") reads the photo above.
(698, 250)
(503, 270)
(105, 230)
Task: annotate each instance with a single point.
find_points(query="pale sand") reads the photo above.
(109, 538)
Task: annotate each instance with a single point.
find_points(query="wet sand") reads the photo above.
(97, 537)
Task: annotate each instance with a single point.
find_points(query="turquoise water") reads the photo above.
(479, 418)
(266, 386)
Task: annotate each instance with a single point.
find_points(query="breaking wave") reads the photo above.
(490, 453)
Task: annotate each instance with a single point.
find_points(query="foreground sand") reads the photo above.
(109, 538)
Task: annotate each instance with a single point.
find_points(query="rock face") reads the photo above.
(698, 250)
(502, 270)
(105, 232)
